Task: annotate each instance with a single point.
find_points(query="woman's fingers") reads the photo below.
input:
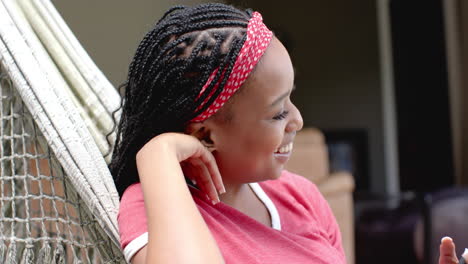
(204, 179)
(188, 171)
(213, 170)
(198, 164)
(447, 252)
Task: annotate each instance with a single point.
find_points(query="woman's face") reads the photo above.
(256, 141)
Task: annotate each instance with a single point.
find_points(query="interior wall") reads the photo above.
(334, 48)
(111, 30)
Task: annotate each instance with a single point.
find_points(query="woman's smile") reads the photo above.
(283, 153)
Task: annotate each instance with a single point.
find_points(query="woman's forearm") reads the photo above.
(177, 231)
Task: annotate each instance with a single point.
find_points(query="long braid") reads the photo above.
(171, 65)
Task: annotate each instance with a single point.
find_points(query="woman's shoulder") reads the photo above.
(132, 193)
(131, 217)
(131, 202)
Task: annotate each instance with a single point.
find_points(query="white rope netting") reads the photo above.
(42, 219)
(57, 197)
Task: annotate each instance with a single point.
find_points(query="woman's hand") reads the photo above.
(198, 164)
(176, 230)
(447, 252)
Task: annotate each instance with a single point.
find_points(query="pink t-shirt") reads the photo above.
(303, 230)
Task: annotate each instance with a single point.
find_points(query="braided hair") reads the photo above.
(171, 65)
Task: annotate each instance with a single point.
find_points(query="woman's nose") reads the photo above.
(296, 122)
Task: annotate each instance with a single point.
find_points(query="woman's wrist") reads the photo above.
(155, 147)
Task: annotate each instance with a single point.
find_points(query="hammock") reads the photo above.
(58, 202)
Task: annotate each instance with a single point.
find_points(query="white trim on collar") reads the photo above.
(275, 218)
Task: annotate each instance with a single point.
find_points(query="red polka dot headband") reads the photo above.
(258, 38)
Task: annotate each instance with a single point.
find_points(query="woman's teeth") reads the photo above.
(285, 149)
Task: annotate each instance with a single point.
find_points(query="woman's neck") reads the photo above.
(243, 198)
(235, 194)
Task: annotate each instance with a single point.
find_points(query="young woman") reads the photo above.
(206, 128)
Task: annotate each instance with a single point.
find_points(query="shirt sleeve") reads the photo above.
(133, 227)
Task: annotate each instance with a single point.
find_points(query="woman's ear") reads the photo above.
(203, 133)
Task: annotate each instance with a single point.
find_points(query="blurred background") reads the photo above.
(384, 83)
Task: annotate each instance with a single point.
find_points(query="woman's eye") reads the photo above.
(281, 115)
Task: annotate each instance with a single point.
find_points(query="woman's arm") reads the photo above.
(177, 231)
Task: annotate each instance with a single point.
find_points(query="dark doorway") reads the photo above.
(422, 99)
